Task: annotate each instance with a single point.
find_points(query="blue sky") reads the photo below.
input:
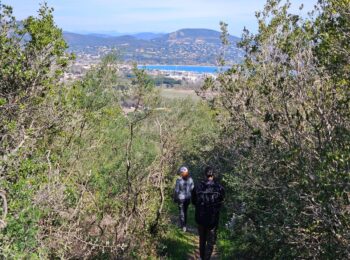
(130, 16)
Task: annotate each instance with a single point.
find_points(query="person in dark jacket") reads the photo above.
(207, 197)
(182, 195)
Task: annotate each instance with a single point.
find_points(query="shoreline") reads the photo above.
(178, 65)
(198, 69)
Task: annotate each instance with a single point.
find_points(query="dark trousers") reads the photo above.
(183, 206)
(207, 239)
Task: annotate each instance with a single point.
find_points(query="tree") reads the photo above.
(32, 60)
(286, 136)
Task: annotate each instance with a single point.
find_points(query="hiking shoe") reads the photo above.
(184, 229)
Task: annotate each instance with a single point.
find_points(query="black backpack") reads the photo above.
(209, 195)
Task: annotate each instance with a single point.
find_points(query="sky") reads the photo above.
(132, 16)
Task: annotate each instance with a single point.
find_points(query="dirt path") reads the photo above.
(184, 245)
(192, 239)
(195, 255)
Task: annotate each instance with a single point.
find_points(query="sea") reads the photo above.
(196, 69)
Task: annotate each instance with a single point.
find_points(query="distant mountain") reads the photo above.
(192, 35)
(99, 35)
(79, 40)
(141, 36)
(102, 33)
(147, 35)
(75, 39)
(185, 46)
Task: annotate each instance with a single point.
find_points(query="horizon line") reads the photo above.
(109, 32)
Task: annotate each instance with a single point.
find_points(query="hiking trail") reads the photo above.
(184, 245)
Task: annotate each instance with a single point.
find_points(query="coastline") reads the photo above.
(184, 68)
(178, 65)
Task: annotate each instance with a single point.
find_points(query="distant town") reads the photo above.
(200, 47)
(164, 78)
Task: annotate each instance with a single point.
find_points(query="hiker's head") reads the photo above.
(184, 172)
(209, 173)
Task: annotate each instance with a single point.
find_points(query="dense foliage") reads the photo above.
(285, 122)
(82, 177)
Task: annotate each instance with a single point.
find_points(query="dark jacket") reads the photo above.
(183, 189)
(207, 197)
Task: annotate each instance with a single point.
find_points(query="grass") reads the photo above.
(179, 93)
(177, 244)
(224, 241)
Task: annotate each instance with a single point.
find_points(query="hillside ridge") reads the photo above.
(184, 46)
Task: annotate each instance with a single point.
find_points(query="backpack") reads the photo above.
(209, 196)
